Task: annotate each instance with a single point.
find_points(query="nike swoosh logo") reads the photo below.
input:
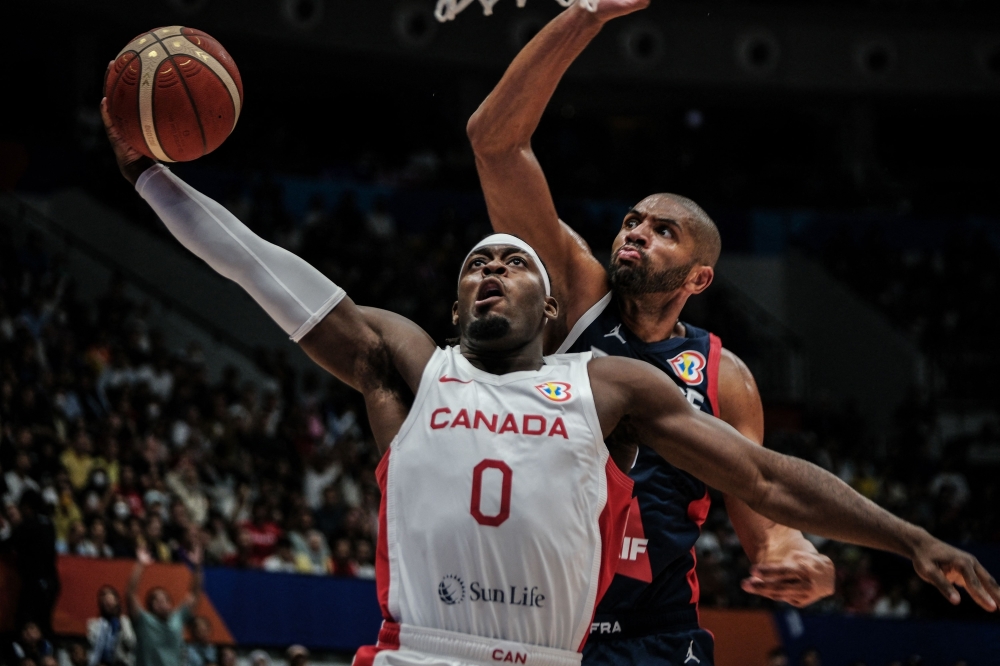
(446, 379)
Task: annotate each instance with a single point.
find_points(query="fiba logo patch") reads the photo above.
(688, 365)
(451, 590)
(555, 391)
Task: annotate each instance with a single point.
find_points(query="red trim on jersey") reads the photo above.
(382, 545)
(612, 523)
(388, 639)
(697, 512)
(714, 355)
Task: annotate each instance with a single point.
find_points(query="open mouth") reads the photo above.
(490, 292)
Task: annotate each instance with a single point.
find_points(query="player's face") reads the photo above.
(654, 250)
(501, 299)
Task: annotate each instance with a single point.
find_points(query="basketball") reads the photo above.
(174, 93)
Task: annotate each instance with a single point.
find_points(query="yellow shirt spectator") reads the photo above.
(78, 465)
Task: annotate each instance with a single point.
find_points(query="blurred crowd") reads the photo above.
(945, 298)
(128, 445)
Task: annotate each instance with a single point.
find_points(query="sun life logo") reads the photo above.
(451, 590)
(689, 365)
(555, 391)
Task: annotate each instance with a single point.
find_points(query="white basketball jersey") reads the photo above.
(500, 505)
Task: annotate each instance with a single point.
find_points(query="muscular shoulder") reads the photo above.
(625, 386)
(739, 399)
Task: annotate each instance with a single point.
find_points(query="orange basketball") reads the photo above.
(174, 93)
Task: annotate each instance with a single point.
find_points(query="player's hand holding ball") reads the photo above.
(173, 95)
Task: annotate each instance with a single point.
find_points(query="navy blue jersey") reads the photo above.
(655, 587)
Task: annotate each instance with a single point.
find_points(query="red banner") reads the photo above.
(742, 637)
(82, 577)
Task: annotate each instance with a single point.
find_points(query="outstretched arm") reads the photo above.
(787, 490)
(785, 565)
(517, 194)
(143, 559)
(366, 348)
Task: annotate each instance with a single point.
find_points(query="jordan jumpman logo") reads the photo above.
(615, 334)
(690, 655)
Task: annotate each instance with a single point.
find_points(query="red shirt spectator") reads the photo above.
(344, 563)
(263, 535)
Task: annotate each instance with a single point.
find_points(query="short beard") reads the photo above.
(489, 328)
(639, 280)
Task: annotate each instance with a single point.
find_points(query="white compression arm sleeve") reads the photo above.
(294, 294)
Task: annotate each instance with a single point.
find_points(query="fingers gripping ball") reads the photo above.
(174, 94)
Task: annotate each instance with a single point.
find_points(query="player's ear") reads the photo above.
(700, 279)
(551, 308)
(454, 313)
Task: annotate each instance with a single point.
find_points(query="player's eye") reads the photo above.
(630, 223)
(665, 231)
(518, 261)
(476, 263)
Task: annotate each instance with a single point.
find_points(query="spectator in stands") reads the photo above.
(95, 545)
(75, 536)
(111, 636)
(283, 560)
(297, 655)
(862, 587)
(330, 515)
(364, 555)
(263, 533)
(184, 484)
(178, 526)
(227, 656)
(78, 654)
(77, 459)
(200, 651)
(893, 605)
(321, 473)
(343, 559)
(313, 554)
(31, 644)
(152, 539)
(219, 546)
(260, 658)
(159, 627)
(30, 535)
(19, 479)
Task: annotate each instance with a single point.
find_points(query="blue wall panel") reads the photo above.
(280, 609)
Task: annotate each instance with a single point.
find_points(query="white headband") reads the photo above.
(507, 239)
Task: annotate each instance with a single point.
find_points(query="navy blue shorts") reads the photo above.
(694, 647)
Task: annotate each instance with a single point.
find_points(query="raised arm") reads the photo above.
(787, 490)
(379, 354)
(132, 587)
(517, 194)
